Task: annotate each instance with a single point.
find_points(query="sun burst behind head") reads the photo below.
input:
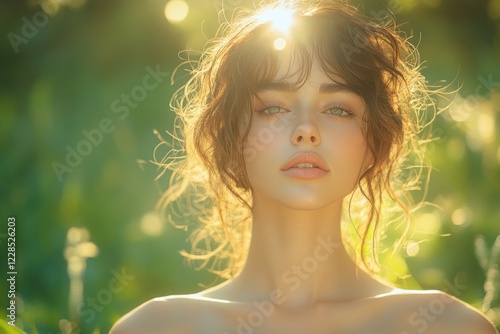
(281, 18)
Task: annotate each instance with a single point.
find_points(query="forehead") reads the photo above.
(299, 68)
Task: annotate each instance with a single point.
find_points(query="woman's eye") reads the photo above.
(338, 112)
(273, 110)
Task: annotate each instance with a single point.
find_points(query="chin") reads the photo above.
(308, 197)
(309, 203)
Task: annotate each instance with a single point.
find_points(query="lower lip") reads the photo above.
(305, 173)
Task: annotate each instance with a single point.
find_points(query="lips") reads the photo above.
(305, 165)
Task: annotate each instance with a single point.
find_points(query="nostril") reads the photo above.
(313, 139)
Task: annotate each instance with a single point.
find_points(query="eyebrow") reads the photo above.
(331, 87)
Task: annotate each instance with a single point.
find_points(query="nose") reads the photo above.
(306, 132)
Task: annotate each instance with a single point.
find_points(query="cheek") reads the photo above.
(258, 139)
(261, 138)
(254, 145)
(346, 136)
(350, 149)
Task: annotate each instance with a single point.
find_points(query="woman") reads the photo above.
(299, 119)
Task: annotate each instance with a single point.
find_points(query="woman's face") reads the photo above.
(305, 149)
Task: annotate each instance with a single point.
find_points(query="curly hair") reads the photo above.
(208, 180)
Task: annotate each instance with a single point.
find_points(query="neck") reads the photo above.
(300, 254)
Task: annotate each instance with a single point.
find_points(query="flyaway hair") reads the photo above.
(208, 180)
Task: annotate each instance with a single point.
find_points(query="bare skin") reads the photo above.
(260, 301)
(298, 277)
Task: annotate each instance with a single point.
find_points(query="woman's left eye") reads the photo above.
(337, 111)
(273, 110)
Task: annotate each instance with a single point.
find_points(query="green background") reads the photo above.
(62, 79)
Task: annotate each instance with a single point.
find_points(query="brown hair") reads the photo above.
(209, 182)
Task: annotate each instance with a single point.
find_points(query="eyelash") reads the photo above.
(263, 112)
(348, 112)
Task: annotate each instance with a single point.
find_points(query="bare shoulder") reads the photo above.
(435, 311)
(159, 315)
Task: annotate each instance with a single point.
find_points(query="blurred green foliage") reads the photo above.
(66, 72)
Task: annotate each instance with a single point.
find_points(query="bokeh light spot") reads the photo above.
(151, 224)
(76, 235)
(279, 43)
(460, 109)
(461, 216)
(429, 224)
(87, 249)
(486, 127)
(176, 10)
(50, 7)
(412, 248)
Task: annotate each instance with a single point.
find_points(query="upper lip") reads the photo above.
(306, 157)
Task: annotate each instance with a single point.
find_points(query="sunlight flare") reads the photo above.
(281, 18)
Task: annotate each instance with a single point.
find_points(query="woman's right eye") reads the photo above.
(273, 110)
